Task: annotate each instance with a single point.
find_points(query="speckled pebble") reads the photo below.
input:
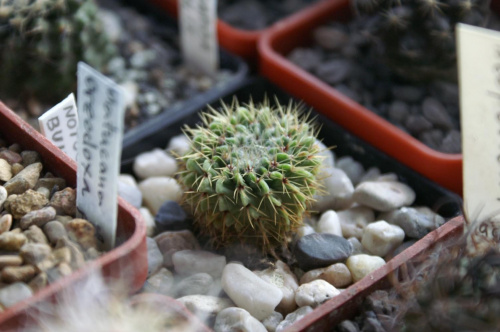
(24, 180)
(237, 319)
(315, 293)
(38, 217)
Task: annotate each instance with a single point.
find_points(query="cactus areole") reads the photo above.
(250, 173)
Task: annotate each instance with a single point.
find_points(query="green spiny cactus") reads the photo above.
(251, 173)
(416, 38)
(41, 42)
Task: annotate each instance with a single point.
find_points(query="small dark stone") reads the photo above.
(432, 138)
(436, 113)
(308, 59)
(30, 157)
(416, 124)
(334, 71)
(379, 303)
(320, 250)
(406, 93)
(330, 38)
(170, 217)
(398, 111)
(452, 142)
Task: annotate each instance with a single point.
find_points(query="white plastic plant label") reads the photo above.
(478, 52)
(101, 109)
(60, 125)
(197, 24)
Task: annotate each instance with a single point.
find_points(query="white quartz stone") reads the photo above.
(156, 190)
(329, 223)
(156, 162)
(249, 291)
(362, 264)
(315, 293)
(338, 190)
(380, 237)
(354, 220)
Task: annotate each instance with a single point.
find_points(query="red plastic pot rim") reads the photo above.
(443, 168)
(132, 251)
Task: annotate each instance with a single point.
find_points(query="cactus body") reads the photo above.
(41, 42)
(251, 173)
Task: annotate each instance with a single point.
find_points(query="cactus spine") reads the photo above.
(251, 173)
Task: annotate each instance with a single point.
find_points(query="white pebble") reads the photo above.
(178, 145)
(380, 237)
(304, 230)
(237, 319)
(3, 196)
(361, 265)
(326, 154)
(272, 322)
(156, 190)
(384, 195)
(250, 292)
(149, 220)
(206, 307)
(131, 194)
(286, 281)
(338, 275)
(338, 190)
(154, 163)
(354, 220)
(187, 262)
(128, 179)
(329, 223)
(315, 293)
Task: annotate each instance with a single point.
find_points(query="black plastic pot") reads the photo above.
(428, 193)
(145, 131)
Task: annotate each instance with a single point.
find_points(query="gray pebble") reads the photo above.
(54, 230)
(353, 169)
(38, 217)
(452, 142)
(34, 253)
(272, 322)
(436, 113)
(416, 124)
(161, 282)
(36, 235)
(407, 93)
(58, 272)
(334, 71)
(14, 293)
(293, 317)
(30, 157)
(432, 138)
(155, 258)
(320, 250)
(171, 242)
(415, 224)
(307, 58)
(330, 38)
(199, 283)
(24, 180)
(398, 111)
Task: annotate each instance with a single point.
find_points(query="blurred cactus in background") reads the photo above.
(416, 38)
(41, 42)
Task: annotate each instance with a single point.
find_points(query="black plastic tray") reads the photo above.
(138, 137)
(429, 194)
